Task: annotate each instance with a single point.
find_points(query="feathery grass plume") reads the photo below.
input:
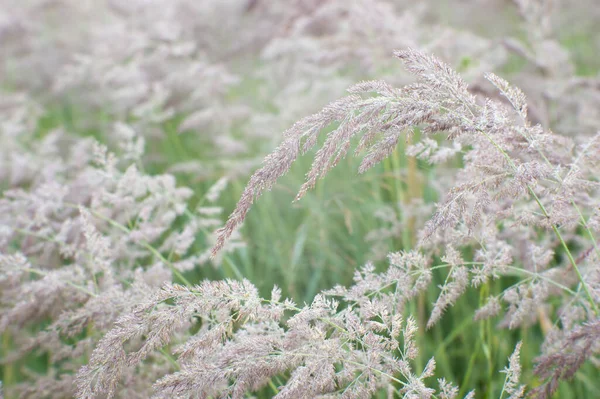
(566, 357)
(440, 101)
(157, 323)
(229, 342)
(513, 375)
(379, 121)
(455, 285)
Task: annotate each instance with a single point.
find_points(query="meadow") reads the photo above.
(299, 199)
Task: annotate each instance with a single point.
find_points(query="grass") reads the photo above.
(318, 242)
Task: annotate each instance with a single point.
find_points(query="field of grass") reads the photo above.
(84, 280)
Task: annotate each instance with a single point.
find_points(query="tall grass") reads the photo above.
(121, 158)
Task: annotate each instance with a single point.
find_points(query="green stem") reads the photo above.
(8, 370)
